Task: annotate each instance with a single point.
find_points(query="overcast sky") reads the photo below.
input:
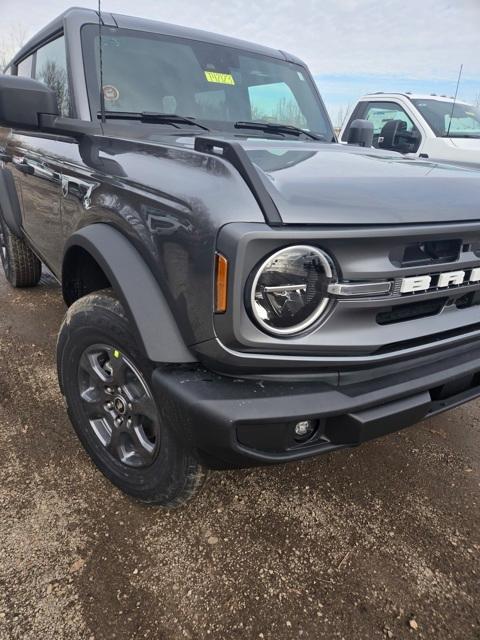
(351, 46)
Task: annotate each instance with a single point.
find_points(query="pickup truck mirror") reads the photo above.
(388, 135)
(22, 100)
(360, 133)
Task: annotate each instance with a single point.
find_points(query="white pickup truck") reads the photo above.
(427, 126)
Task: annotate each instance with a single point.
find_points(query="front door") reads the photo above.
(38, 159)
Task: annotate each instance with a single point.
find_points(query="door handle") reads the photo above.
(81, 189)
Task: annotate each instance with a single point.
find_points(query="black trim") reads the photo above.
(235, 423)
(234, 153)
(137, 288)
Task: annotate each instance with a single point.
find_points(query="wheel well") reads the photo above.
(81, 275)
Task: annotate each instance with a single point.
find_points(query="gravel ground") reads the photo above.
(378, 542)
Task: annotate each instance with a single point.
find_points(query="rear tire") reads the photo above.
(22, 267)
(105, 379)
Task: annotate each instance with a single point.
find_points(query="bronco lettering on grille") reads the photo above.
(442, 281)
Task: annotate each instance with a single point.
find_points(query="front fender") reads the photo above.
(137, 289)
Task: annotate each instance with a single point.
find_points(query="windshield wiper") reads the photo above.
(278, 128)
(153, 117)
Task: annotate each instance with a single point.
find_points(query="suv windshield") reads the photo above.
(215, 84)
(464, 123)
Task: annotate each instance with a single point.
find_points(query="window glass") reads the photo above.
(461, 121)
(51, 68)
(275, 102)
(217, 84)
(379, 113)
(24, 68)
(211, 104)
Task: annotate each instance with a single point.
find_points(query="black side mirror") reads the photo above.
(388, 135)
(22, 100)
(360, 133)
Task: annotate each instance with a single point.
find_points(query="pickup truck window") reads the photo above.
(465, 120)
(379, 113)
(51, 68)
(393, 129)
(217, 84)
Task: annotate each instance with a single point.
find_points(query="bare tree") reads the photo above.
(11, 43)
(342, 113)
(285, 112)
(56, 78)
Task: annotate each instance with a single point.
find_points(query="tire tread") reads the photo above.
(23, 268)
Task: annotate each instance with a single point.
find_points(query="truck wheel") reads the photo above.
(22, 267)
(105, 381)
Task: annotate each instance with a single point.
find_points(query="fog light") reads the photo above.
(304, 430)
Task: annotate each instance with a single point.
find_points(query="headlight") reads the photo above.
(289, 290)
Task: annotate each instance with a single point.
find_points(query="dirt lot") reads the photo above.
(378, 542)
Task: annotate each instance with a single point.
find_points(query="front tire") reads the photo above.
(105, 380)
(22, 267)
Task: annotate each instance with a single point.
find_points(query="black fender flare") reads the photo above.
(9, 203)
(139, 292)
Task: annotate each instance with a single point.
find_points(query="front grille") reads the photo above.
(416, 310)
(392, 323)
(411, 311)
(430, 252)
(362, 327)
(468, 300)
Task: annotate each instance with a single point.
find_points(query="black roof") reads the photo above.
(88, 16)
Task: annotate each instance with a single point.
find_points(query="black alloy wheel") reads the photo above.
(119, 406)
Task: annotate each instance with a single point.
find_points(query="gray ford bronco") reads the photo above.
(241, 289)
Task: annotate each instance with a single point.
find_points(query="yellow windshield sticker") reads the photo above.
(219, 78)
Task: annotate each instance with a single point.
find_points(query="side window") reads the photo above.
(24, 68)
(51, 68)
(403, 137)
(275, 103)
(379, 113)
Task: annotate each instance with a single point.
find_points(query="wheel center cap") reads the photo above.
(120, 405)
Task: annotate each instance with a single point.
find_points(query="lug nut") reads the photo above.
(109, 406)
(130, 406)
(118, 421)
(129, 422)
(109, 390)
(119, 389)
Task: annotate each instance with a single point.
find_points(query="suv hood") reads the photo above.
(314, 183)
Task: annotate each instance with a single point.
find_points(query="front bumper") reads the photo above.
(246, 422)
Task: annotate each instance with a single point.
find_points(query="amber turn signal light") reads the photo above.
(221, 283)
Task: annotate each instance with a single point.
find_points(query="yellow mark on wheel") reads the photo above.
(219, 78)
(116, 354)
